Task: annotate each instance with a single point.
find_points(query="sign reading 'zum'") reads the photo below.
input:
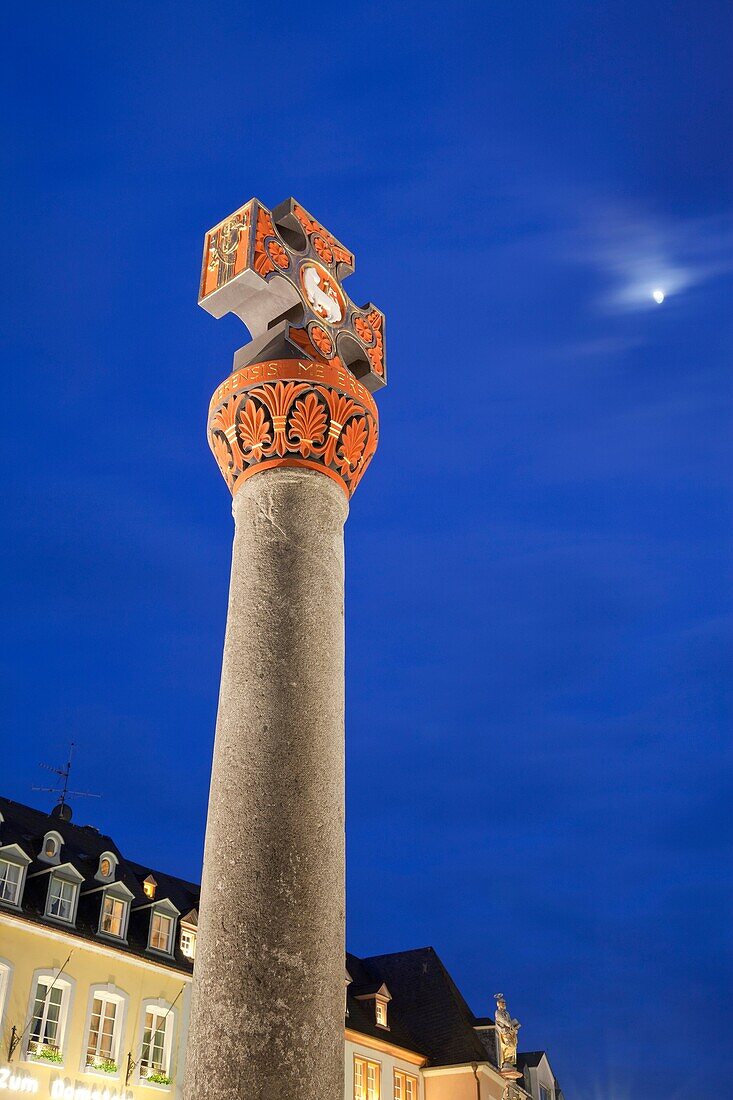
(19, 1083)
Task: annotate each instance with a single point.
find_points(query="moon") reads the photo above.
(658, 295)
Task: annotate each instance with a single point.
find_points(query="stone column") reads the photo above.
(268, 1011)
(293, 430)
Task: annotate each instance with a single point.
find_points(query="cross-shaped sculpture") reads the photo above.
(280, 271)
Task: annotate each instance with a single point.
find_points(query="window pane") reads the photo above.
(153, 1046)
(9, 881)
(46, 1015)
(359, 1084)
(61, 898)
(160, 932)
(112, 916)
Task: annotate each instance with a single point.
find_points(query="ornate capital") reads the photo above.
(291, 412)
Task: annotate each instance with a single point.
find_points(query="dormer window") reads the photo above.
(189, 926)
(61, 899)
(149, 887)
(51, 847)
(10, 876)
(380, 997)
(114, 912)
(163, 917)
(107, 867)
(161, 932)
(13, 865)
(63, 893)
(162, 927)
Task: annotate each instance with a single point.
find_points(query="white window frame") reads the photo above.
(11, 874)
(113, 863)
(67, 985)
(121, 999)
(117, 892)
(190, 933)
(400, 1077)
(163, 1010)
(164, 908)
(13, 854)
(55, 859)
(66, 880)
(368, 1062)
(6, 980)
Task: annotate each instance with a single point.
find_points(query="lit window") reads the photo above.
(102, 1040)
(156, 1044)
(161, 932)
(381, 1013)
(366, 1079)
(47, 1023)
(10, 875)
(188, 943)
(113, 916)
(105, 866)
(5, 975)
(149, 885)
(51, 847)
(61, 897)
(405, 1086)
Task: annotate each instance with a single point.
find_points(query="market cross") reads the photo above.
(293, 429)
(280, 271)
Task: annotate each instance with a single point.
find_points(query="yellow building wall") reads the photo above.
(459, 1083)
(28, 947)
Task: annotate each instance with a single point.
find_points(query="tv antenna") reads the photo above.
(62, 810)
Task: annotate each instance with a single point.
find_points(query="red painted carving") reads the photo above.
(321, 340)
(326, 422)
(277, 254)
(376, 353)
(253, 430)
(364, 330)
(263, 261)
(353, 441)
(307, 424)
(322, 239)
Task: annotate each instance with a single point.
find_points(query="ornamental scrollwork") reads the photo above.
(327, 423)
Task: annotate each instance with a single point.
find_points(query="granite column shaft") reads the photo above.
(268, 1006)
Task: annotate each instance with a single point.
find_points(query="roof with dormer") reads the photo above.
(82, 848)
(426, 1012)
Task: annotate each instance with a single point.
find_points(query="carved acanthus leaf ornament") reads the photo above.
(293, 413)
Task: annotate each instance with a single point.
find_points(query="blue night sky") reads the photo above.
(538, 557)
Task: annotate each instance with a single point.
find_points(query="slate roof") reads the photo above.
(529, 1058)
(427, 1013)
(430, 1006)
(82, 847)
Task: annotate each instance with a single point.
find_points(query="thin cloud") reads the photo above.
(638, 254)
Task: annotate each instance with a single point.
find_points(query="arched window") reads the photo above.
(6, 974)
(51, 847)
(107, 867)
(104, 1029)
(156, 1043)
(49, 1012)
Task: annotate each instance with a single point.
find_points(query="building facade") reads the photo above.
(96, 960)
